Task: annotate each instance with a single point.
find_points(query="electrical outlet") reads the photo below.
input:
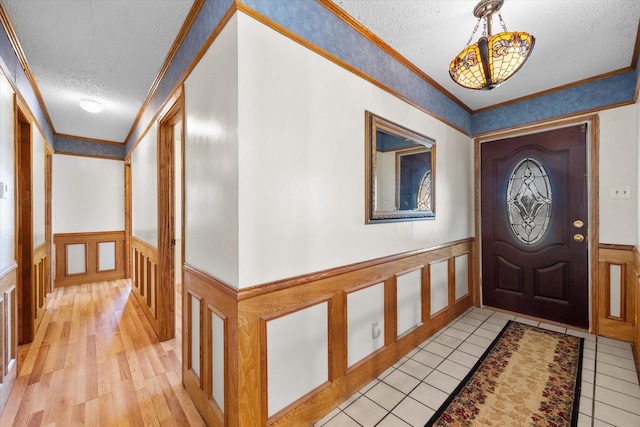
(375, 330)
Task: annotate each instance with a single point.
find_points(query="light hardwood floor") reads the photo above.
(95, 361)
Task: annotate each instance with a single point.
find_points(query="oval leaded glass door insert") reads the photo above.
(529, 201)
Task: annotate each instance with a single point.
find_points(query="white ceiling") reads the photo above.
(112, 50)
(107, 50)
(575, 39)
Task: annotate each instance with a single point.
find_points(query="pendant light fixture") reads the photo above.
(493, 58)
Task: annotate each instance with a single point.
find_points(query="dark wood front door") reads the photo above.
(534, 225)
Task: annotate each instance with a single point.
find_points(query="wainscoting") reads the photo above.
(616, 296)
(144, 275)
(40, 284)
(8, 332)
(286, 353)
(89, 257)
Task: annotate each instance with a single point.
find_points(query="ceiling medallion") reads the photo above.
(493, 58)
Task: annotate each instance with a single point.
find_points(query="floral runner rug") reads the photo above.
(527, 377)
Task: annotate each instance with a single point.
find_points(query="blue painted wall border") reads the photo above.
(80, 146)
(595, 95)
(208, 18)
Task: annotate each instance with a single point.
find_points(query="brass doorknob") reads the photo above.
(578, 224)
(578, 238)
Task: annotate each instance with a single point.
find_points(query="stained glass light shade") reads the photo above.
(529, 201)
(492, 60)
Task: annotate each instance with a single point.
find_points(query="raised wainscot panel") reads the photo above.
(217, 358)
(409, 300)
(461, 265)
(89, 257)
(439, 279)
(8, 332)
(616, 292)
(365, 322)
(297, 349)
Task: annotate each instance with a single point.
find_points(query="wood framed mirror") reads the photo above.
(399, 172)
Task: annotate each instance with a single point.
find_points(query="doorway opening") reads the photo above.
(24, 230)
(170, 210)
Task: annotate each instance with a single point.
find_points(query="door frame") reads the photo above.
(171, 115)
(24, 223)
(592, 122)
(33, 280)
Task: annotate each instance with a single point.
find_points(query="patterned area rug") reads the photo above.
(527, 377)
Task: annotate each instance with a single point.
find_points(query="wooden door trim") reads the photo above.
(23, 257)
(48, 216)
(593, 144)
(169, 117)
(127, 216)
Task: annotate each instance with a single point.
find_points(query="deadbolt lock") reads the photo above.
(578, 224)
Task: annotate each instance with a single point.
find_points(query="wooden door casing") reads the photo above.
(549, 278)
(153, 268)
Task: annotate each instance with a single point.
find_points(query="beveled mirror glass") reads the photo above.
(400, 172)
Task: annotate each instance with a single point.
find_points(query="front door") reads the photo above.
(534, 225)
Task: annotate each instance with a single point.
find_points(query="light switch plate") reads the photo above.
(623, 192)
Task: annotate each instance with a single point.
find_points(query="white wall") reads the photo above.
(88, 194)
(211, 160)
(144, 188)
(619, 167)
(7, 174)
(301, 164)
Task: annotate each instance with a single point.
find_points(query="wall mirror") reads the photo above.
(400, 172)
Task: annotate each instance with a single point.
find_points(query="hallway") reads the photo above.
(96, 362)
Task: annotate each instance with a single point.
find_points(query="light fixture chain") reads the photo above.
(473, 33)
(504, 26)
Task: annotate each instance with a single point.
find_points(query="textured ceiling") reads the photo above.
(112, 50)
(108, 50)
(575, 39)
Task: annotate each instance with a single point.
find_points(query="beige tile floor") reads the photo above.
(409, 393)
